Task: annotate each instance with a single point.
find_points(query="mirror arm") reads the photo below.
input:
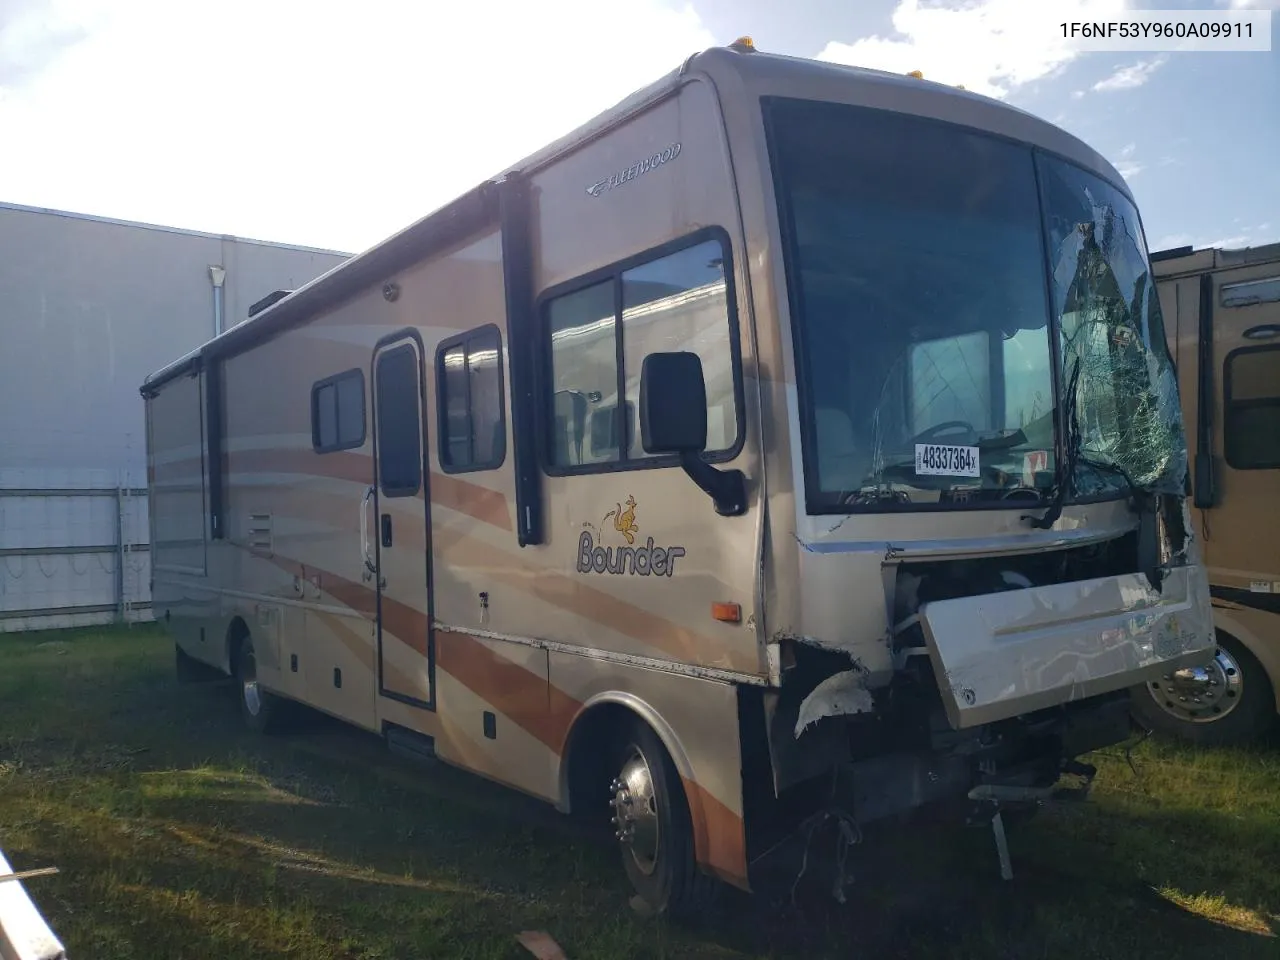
(727, 488)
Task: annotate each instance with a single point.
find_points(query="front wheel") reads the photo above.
(1226, 701)
(655, 830)
(259, 708)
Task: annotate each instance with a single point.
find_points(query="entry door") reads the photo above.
(400, 528)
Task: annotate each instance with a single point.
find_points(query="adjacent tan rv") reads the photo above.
(1222, 319)
(786, 446)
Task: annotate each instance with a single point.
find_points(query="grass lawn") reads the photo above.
(179, 834)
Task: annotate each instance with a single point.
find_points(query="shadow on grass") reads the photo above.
(182, 835)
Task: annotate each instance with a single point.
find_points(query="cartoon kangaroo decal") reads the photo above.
(624, 521)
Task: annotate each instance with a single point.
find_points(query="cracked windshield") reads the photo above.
(1123, 428)
(919, 272)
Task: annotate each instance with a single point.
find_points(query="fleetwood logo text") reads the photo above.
(639, 561)
(638, 169)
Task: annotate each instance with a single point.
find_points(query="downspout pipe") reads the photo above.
(217, 274)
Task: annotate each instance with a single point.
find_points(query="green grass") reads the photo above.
(180, 835)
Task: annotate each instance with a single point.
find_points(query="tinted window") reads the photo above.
(584, 375)
(1252, 409)
(601, 334)
(399, 425)
(916, 272)
(469, 375)
(337, 412)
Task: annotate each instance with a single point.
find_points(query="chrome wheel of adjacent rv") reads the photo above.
(1224, 701)
(256, 705)
(654, 828)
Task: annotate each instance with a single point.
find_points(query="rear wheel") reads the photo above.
(259, 708)
(654, 828)
(1226, 701)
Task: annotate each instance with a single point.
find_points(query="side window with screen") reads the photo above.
(473, 434)
(1251, 408)
(601, 333)
(337, 412)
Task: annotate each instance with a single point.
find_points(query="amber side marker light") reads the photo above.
(727, 612)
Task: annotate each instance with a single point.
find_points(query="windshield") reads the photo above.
(921, 299)
(1123, 415)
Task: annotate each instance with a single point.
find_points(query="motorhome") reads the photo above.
(1222, 320)
(792, 444)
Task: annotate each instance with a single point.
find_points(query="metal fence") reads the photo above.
(73, 556)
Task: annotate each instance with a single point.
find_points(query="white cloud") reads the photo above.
(1130, 77)
(1126, 165)
(1077, 94)
(989, 46)
(314, 121)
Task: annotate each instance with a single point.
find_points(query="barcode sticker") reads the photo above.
(939, 460)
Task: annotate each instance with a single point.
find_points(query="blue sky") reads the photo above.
(331, 123)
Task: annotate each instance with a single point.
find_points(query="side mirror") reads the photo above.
(673, 404)
(673, 419)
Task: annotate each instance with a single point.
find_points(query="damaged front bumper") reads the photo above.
(1005, 654)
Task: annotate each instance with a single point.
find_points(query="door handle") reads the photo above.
(370, 568)
(386, 529)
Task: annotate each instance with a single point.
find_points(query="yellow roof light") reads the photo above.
(744, 43)
(917, 74)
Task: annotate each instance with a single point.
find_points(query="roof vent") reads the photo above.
(267, 301)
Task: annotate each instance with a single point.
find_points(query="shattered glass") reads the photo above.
(1125, 411)
(937, 365)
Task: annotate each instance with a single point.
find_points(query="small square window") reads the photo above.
(337, 412)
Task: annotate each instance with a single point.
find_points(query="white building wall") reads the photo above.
(88, 308)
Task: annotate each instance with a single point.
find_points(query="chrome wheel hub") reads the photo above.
(249, 684)
(1200, 694)
(635, 812)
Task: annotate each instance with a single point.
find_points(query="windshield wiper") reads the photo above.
(1067, 469)
(1066, 480)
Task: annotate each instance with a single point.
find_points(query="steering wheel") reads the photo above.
(947, 426)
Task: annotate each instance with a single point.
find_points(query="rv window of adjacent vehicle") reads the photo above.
(399, 425)
(601, 331)
(337, 412)
(473, 432)
(1251, 408)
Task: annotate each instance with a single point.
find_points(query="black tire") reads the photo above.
(261, 710)
(1250, 717)
(669, 882)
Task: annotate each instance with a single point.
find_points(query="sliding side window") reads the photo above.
(603, 327)
(473, 430)
(337, 412)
